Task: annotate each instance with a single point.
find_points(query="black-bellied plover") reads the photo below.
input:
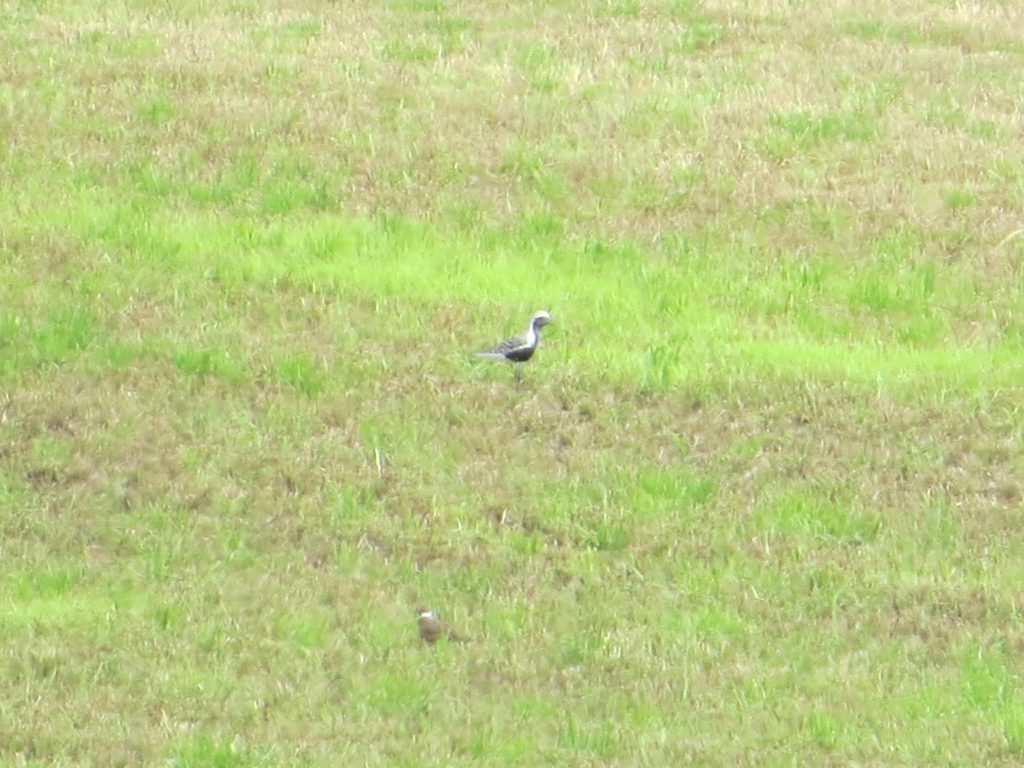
(519, 349)
(432, 628)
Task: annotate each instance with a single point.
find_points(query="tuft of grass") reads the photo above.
(301, 373)
(206, 751)
(208, 362)
(65, 332)
(610, 538)
(803, 512)
(794, 133)
(397, 696)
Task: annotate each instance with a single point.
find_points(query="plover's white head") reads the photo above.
(541, 319)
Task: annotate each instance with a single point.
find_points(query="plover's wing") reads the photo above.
(430, 629)
(506, 350)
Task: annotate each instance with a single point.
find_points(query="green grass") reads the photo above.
(755, 502)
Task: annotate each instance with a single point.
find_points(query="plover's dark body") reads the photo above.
(432, 628)
(519, 349)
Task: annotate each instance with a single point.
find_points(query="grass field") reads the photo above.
(756, 502)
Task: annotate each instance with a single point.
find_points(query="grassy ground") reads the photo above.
(756, 502)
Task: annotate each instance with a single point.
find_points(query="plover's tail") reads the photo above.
(492, 354)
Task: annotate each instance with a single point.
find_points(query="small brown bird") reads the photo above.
(431, 628)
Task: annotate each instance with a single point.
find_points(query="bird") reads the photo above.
(431, 628)
(519, 349)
